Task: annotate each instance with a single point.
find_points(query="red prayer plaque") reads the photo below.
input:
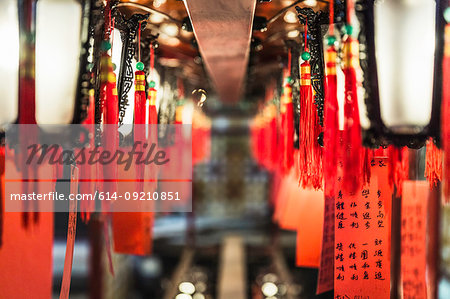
(414, 239)
(26, 253)
(325, 281)
(362, 238)
(310, 227)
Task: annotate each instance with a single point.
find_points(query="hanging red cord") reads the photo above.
(139, 42)
(331, 12)
(445, 116)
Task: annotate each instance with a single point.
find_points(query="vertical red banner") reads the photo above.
(26, 253)
(414, 239)
(325, 281)
(310, 227)
(362, 238)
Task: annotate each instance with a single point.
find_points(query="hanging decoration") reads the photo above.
(109, 105)
(332, 135)
(71, 232)
(314, 21)
(398, 167)
(331, 129)
(287, 121)
(310, 151)
(362, 246)
(128, 28)
(86, 169)
(139, 108)
(433, 163)
(445, 135)
(152, 92)
(133, 230)
(352, 141)
(415, 276)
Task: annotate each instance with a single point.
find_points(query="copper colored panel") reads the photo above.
(223, 30)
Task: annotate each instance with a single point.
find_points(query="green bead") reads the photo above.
(447, 14)
(90, 66)
(140, 66)
(152, 84)
(306, 56)
(331, 39)
(105, 46)
(288, 80)
(114, 66)
(349, 29)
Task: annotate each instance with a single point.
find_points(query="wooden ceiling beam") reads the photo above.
(223, 30)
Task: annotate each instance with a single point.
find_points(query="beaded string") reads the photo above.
(139, 65)
(331, 17)
(306, 55)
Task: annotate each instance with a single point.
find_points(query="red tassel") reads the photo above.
(139, 119)
(352, 129)
(445, 117)
(433, 164)
(398, 167)
(110, 108)
(152, 113)
(86, 170)
(270, 117)
(139, 98)
(287, 126)
(331, 130)
(310, 152)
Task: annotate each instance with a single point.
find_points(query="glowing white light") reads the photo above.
(188, 113)
(405, 66)
(269, 289)
(116, 54)
(183, 296)
(156, 18)
(58, 27)
(290, 17)
(293, 33)
(187, 288)
(169, 28)
(310, 2)
(9, 62)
